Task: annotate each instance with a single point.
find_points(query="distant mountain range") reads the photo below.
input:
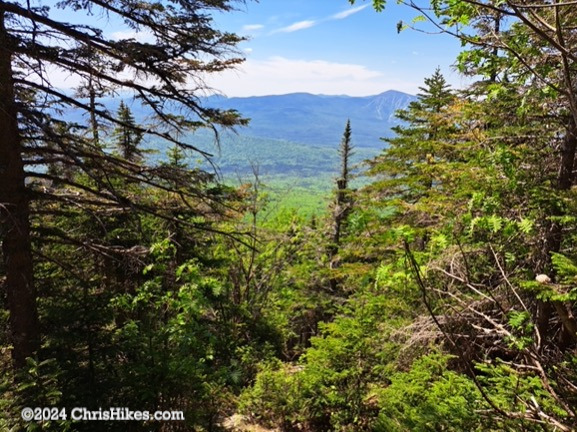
(295, 134)
(318, 120)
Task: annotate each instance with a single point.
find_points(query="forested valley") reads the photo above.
(440, 295)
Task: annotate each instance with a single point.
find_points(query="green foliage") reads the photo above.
(275, 158)
(35, 386)
(423, 161)
(275, 397)
(565, 267)
(170, 347)
(127, 136)
(523, 327)
(305, 195)
(162, 289)
(430, 397)
(513, 390)
(330, 387)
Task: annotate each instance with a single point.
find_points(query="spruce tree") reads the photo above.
(413, 167)
(126, 135)
(342, 204)
(159, 73)
(435, 95)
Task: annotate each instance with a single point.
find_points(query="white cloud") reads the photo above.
(66, 80)
(252, 27)
(60, 78)
(279, 75)
(347, 13)
(301, 25)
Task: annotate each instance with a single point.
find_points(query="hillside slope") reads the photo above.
(318, 119)
(315, 120)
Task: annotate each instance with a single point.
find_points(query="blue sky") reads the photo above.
(315, 46)
(331, 47)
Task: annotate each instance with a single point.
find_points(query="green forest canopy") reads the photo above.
(440, 296)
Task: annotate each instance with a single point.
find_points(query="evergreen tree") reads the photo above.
(527, 133)
(419, 163)
(180, 31)
(176, 158)
(435, 96)
(342, 204)
(126, 135)
(341, 207)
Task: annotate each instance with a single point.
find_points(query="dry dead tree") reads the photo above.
(474, 321)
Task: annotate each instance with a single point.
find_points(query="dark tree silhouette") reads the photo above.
(164, 74)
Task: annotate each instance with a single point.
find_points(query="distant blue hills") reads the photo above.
(318, 120)
(295, 135)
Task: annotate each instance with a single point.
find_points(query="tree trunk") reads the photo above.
(14, 218)
(342, 206)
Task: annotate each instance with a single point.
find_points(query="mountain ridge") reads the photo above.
(318, 119)
(304, 118)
